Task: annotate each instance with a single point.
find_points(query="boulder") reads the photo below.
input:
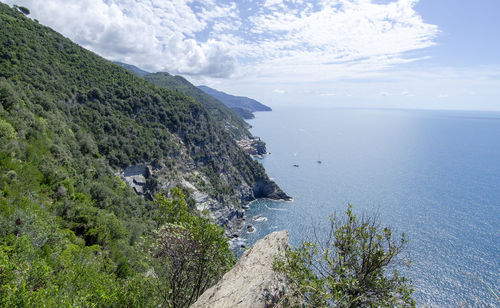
(250, 229)
(252, 282)
(139, 179)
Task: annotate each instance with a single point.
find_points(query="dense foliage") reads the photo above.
(346, 267)
(232, 121)
(130, 120)
(189, 253)
(68, 225)
(72, 233)
(244, 113)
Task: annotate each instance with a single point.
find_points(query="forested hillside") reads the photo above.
(236, 126)
(72, 233)
(233, 101)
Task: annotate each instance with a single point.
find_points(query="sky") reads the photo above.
(423, 54)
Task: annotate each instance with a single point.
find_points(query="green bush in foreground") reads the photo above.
(347, 268)
(188, 253)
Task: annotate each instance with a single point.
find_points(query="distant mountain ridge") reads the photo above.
(213, 100)
(133, 69)
(235, 102)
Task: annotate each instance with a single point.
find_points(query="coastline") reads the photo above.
(237, 242)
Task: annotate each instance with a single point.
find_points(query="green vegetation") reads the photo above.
(243, 112)
(72, 233)
(347, 268)
(113, 114)
(236, 126)
(189, 253)
(67, 225)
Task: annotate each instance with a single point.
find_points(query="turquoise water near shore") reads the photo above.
(434, 175)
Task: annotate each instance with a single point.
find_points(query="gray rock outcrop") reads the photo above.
(136, 177)
(225, 210)
(269, 189)
(252, 282)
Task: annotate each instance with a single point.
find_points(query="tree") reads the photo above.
(6, 130)
(188, 254)
(347, 268)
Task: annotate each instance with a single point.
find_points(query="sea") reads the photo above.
(434, 175)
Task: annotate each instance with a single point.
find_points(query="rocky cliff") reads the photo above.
(252, 282)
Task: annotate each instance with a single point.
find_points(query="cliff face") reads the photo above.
(225, 210)
(252, 282)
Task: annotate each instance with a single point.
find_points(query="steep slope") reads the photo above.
(235, 101)
(231, 121)
(115, 120)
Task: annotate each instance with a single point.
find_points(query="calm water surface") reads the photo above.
(434, 175)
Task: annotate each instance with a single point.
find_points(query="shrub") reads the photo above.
(6, 130)
(189, 253)
(347, 268)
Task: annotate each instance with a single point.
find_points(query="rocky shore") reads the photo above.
(227, 210)
(147, 180)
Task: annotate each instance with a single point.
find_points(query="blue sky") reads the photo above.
(429, 54)
(469, 31)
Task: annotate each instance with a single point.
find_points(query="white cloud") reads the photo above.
(153, 34)
(213, 38)
(339, 37)
(279, 91)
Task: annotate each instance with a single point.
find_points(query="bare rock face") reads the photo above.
(269, 189)
(252, 282)
(136, 177)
